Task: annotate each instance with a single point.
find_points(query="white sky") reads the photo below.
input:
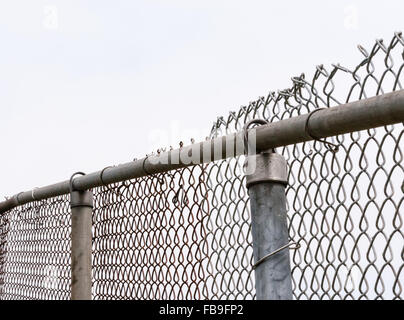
(86, 84)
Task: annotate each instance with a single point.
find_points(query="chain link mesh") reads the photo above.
(35, 251)
(186, 234)
(345, 208)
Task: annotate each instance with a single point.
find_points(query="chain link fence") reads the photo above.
(35, 251)
(186, 234)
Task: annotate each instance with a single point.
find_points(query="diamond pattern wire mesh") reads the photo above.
(186, 234)
(35, 251)
(344, 209)
(150, 237)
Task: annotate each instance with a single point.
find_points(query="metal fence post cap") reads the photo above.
(266, 167)
(81, 199)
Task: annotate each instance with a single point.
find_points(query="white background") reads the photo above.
(86, 84)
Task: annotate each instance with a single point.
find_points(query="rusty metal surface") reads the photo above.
(186, 234)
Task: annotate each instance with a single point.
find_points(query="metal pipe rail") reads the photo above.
(364, 114)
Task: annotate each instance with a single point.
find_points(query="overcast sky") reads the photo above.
(86, 84)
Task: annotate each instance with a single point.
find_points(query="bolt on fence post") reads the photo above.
(266, 181)
(81, 204)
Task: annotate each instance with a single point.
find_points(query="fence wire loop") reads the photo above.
(245, 132)
(108, 185)
(331, 146)
(160, 180)
(18, 197)
(101, 175)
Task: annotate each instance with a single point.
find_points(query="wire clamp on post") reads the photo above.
(329, 145)
(80, 198)
(71, 179)
(296, 246)
(266, 166)
(245, 132)
(81, 204)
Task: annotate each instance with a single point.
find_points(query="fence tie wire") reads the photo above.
(161, 180)
(296, 246)
(330, 146)
(18, 197)
(119, 194)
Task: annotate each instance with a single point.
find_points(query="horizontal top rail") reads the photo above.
(360, 115)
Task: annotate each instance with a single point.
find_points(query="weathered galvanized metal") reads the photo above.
(186, 233)
(266, 188)
(81, 244)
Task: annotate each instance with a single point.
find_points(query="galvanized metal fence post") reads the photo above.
(266, 187)
(81, 204)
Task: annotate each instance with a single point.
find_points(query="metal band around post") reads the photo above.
(266, 167)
